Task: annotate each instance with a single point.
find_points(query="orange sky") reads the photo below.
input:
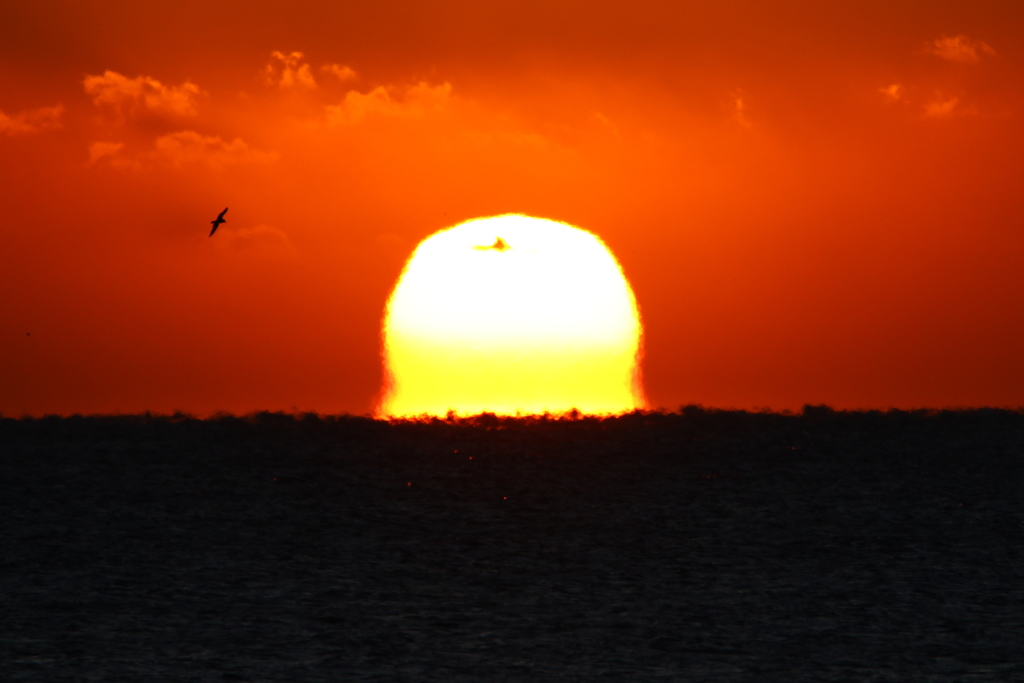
(814, 202)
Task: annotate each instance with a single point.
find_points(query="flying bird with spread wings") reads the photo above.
(216, 223)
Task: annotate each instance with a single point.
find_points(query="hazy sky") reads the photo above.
(814, 202)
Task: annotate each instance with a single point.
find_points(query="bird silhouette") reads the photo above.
(499, 245)
(216, 223)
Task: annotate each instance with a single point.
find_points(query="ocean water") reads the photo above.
(702, 545)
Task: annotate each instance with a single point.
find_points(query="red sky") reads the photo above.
(814, 202)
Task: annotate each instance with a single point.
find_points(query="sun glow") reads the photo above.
(511, 314)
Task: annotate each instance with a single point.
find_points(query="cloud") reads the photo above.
(740, 111)
(288, 71)
(180, 149)
(141, 94)
(416, 100)
(941, 107)
(960, 49)
(604, 123)
(31, 120)
(105, 150)
(259, 240)
(188, 147)
(340, 71)
(893, 93)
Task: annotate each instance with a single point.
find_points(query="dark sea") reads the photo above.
(695, 546)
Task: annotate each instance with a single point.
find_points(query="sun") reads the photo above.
(511, 315)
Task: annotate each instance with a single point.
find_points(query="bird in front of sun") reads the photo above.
(216, 223)
(499, 245)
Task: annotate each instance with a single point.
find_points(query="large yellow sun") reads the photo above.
(511, 315)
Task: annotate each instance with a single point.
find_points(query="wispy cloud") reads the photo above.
(893, 93)
(188, 147)
(98, 151)
(740, 115)
(416, 100)
(179, 150)
(141, 93)
(960, 49)
(258, 240)
(340, 71)
(941, 107)
(288, 71)
(31, 120)
(604, 122)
